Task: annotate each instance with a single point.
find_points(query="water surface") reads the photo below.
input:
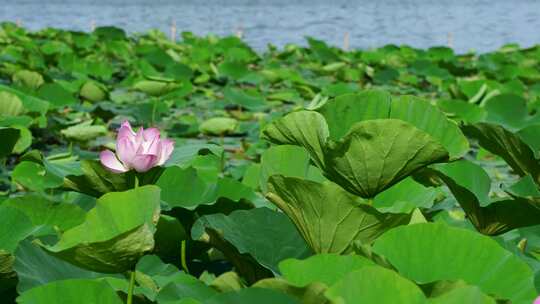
(464, 24)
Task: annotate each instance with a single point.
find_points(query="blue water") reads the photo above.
(464, 24)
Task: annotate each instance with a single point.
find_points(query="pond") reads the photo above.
(463, 24)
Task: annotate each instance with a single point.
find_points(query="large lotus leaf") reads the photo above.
(15, 226)
(470, 185)
(30, 103)
(8, 137)
(498, 113)
(268, 236)
(187, 189)
(497, 140)
(375, 284)
(33, 176)
(323, 268)
(244, 264)
(303, 128)
(377, 154)
(462, 110)
(77, 291)
(464, 294)
(404, 197)
(527, 189)
(329, 218)
(252, 295)
(431, 252)
(115, 233)
(168, 237)
(343, 112)
(35, 267)
(57, 95)
(40, 211)
(529, 135)
(287, 160)
(428, 118)
(312, 293)
(185, 152)
(346, 110)
(183, 286)
(10, 104)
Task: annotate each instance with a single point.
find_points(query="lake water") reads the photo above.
(481, 25)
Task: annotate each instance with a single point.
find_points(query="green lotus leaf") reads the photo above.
(6, 266)
(323, 268)
(42, 212)
(377, 154)
(375, 284)
(497, 112)
(155, 88)
(187, 188)
(346, 110)
(33, 176)
(499, 141)
(464, 294)
(10, 104)
(115, 233)
(527, 189)
(268, 236)
(329, 218)
(252, 295)
(404, 197)
(182, 286)
(303, 128)
(228, 281)
(84, 131)
(29, 79)
(428, 118)
(234, 70)
(24, 141)
(30, 103)
(462, 110)
(35, 267)
(470, 185)
(93, 92)
(75, 291)
(57, 95)
(529, 135)
(444, 253)
(91, 178)
(219, 126)
(9, 138)
(15, 226)
(312, 293)
(287, 160)
(166, 284)
(168, 237)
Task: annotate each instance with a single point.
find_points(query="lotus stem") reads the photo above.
(136, 185)
(183, 256)
(131, 287)
(522, 245)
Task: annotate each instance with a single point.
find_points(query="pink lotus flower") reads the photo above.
(537, 301)
(140, 151)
